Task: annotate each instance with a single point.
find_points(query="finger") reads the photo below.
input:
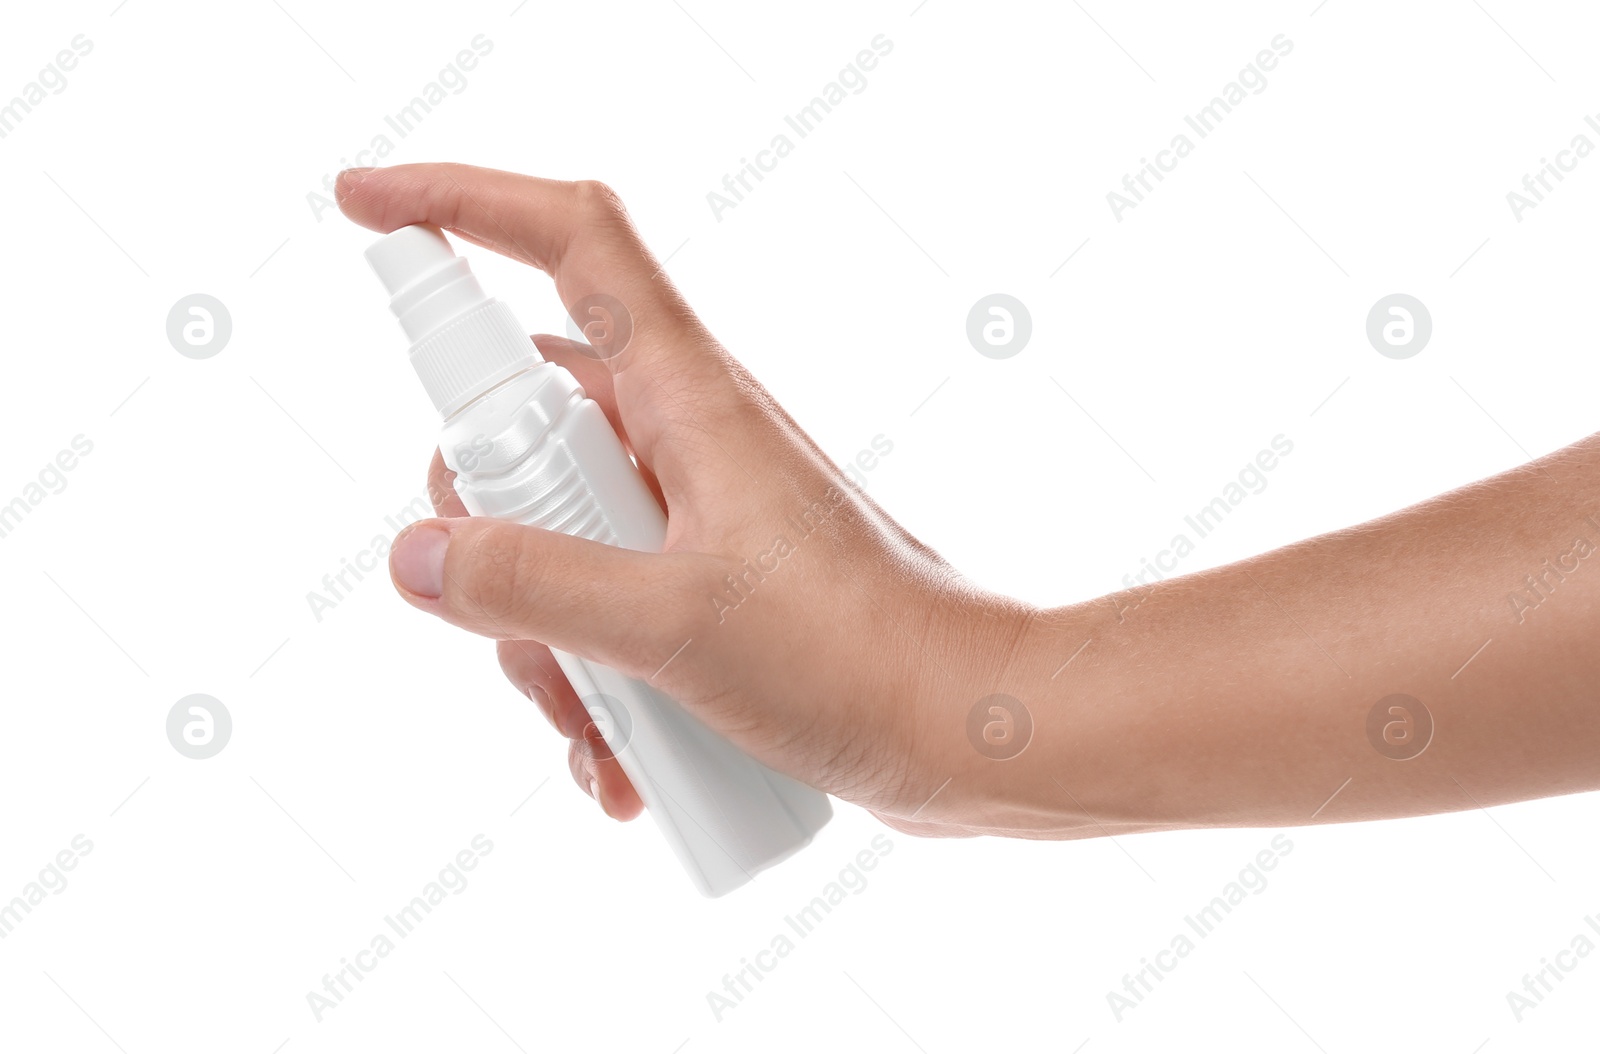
(581, 766)
(533, 669)
(578, 233)
(530, 666)
(602, 778)
(513, 582)
(442, 488)
(580, 361)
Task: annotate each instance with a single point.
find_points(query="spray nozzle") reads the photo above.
(462, 341)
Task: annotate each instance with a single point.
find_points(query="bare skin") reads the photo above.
(1233, 697)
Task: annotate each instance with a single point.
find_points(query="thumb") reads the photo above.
(513, 582)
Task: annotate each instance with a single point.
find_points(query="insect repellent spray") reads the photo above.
(527, 445)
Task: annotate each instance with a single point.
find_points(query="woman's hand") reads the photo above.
(788, 612)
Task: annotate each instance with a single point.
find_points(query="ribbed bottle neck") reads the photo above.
(471, 354)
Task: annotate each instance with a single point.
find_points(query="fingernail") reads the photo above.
(417, 562)
(594, 789)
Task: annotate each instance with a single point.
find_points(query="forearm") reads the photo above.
(1241, 696)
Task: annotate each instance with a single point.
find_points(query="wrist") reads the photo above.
(974, 689)
(1020, 731)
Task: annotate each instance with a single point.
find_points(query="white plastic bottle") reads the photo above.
(527, 445)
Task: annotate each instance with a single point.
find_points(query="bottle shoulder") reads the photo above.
(496, 432)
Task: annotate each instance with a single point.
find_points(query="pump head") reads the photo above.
(463, 342)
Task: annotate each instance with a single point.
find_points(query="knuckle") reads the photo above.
(598, 202)
(515, 662)
(578, 763)
(505, 574)
(443, 199)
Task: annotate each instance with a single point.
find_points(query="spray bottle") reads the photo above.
(527, 445)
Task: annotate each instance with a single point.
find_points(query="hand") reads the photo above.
(788, 612)
(851, 657)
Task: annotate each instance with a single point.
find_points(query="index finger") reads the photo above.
(579, 233)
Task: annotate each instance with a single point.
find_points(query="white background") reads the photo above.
(371, 746)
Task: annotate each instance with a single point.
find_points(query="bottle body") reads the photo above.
(535, 450)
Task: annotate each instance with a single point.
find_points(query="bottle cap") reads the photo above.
(463, 341)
